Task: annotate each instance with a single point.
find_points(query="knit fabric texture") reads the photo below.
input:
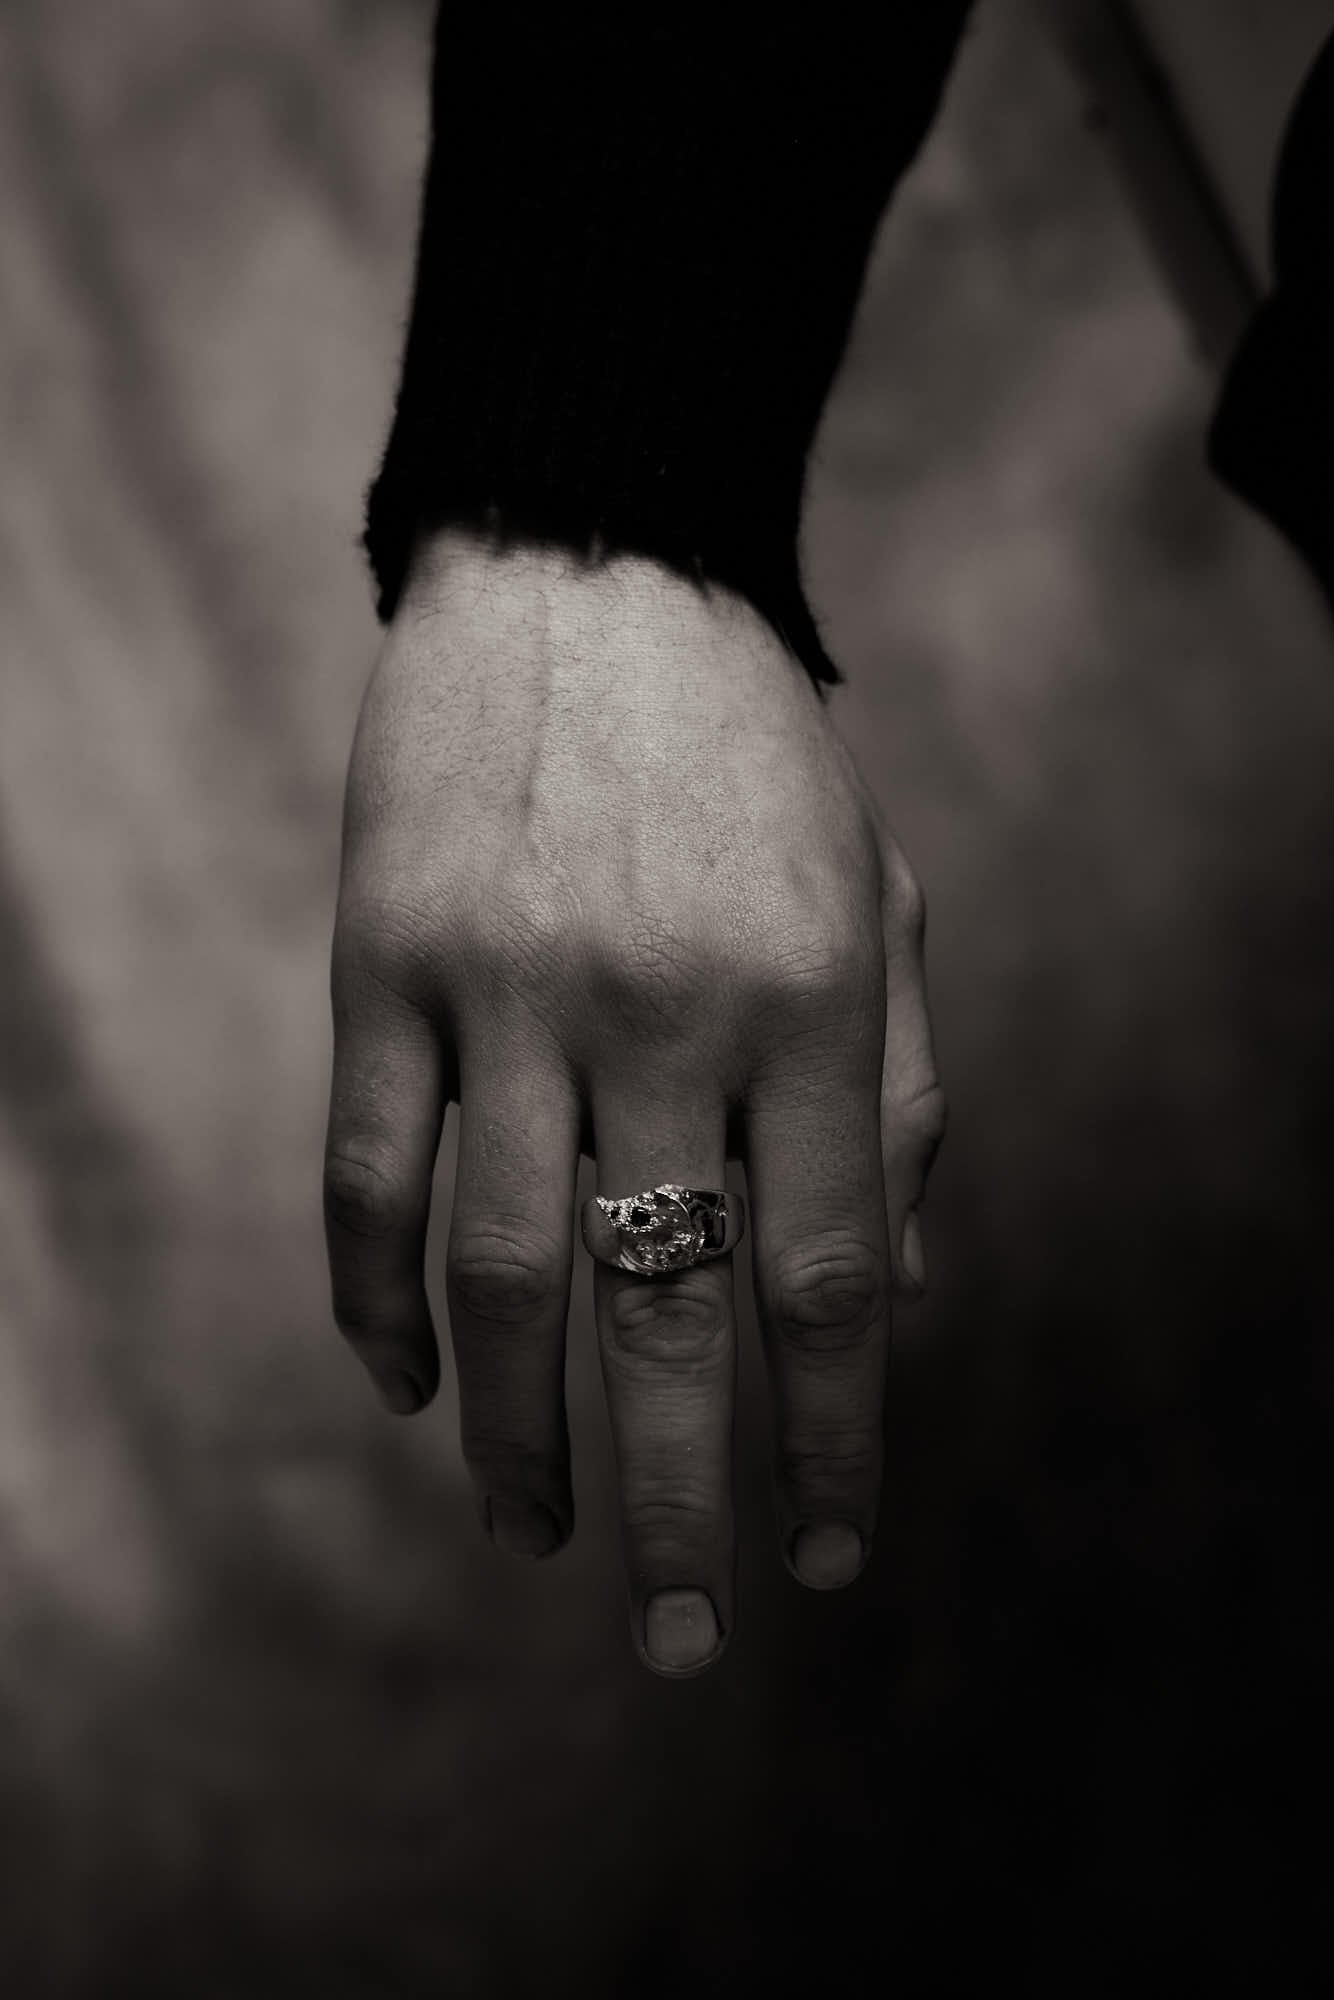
(642, 241)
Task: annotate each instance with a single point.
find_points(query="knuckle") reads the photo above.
(662, 1503)
(827, 967)
(827, 1297)
(382, 942)
(507, 1462)
(679, 1321)
(666, 1521)
(828, 1464)
(915, 1122)
(521, 934)
(655, 979)
(364, 1200)
(926, 1117)
(503, 1280)
(355, 1318)
(905, 902)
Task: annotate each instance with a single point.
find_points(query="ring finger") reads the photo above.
(668, 1348)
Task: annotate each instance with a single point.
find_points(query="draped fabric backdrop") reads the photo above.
(274, 1719)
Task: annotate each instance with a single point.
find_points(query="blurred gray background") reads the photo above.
(274, 1718)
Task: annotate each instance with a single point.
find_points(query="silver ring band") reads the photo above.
(665, 1229)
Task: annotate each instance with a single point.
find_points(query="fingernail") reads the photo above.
(399, 1392)
(522, 1527)
(828, 1555)
(680, 1629)
(913, 1253)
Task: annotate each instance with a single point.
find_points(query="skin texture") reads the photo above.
(611, 880)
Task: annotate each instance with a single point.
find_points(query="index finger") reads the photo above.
(386, 1109)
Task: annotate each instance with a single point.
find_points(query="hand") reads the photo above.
(610, 878)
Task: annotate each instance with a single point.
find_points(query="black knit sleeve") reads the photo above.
(642, 241)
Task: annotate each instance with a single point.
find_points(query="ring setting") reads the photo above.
(662, 1229)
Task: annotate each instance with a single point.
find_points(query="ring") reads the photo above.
(664, 1229)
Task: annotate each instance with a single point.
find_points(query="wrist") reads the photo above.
(619, 629)
(611, 603)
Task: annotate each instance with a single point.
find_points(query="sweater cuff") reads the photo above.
(641, 248)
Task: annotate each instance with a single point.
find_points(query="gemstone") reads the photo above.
(657, 1233)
